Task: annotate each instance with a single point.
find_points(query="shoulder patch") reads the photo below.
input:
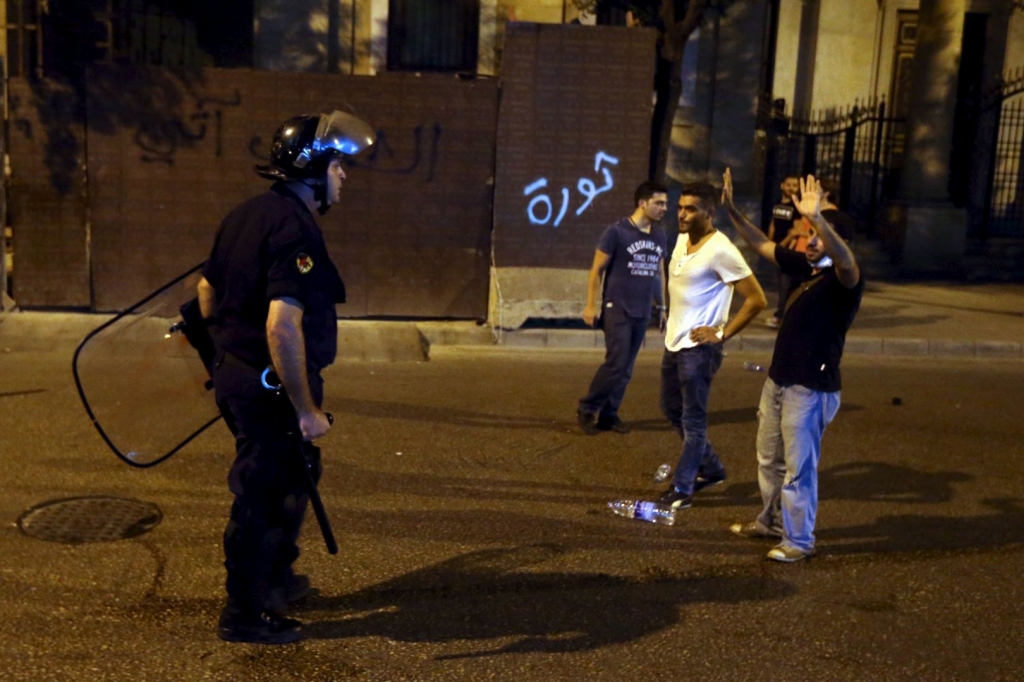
(304, 263)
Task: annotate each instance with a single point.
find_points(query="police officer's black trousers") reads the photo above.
(268, 482)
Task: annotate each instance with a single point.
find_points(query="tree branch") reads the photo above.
(678, 32)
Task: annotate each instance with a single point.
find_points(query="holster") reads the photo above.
(193, 326)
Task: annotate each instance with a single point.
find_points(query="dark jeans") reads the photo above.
(623, 337)
(685, 387)
(267, 480)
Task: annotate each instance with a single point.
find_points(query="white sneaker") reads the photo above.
(788, 554)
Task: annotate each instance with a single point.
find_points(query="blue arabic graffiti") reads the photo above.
(584, 186)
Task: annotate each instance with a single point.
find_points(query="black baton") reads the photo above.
(314, 497)
(271, 382)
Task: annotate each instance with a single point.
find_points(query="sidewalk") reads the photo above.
(906, 319)
(901, 319)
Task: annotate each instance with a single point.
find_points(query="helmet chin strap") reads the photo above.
(319, 188)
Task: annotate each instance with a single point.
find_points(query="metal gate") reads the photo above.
(858, 148)
(1004, 189)
(861, 149)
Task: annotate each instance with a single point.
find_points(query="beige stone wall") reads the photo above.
(886, 42)
(845, 63)
(846, 53)
(1015, 42)
(787, 42)
(539, 11)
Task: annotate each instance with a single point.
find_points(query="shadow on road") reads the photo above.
(861, 481)
(484, 595)
(916, 532)
(880, 482)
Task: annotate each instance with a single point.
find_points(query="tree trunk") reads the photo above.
(664, 116)
(668, 78)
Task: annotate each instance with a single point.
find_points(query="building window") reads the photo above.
(433, 35)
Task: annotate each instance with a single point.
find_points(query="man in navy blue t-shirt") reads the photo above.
(630, 256)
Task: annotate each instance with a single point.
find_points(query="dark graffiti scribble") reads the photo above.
(25, 127)
(255, 145)
(383, 153)
(220, 136)
(236, 100)
(160, 139)
(433, 152)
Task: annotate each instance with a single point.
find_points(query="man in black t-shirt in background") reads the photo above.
(843, 223)
(785, 217)
(802, 392)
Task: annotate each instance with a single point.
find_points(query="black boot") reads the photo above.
(266, 628)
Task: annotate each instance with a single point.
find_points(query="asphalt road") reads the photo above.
(476, 544)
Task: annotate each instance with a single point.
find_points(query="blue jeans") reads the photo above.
(791, 422)
(623, 337)
(685, 387)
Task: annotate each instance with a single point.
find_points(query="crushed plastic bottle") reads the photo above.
(663, 473)
(753, 367)
(654, 512)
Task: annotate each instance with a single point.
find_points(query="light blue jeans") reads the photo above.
(791, 422)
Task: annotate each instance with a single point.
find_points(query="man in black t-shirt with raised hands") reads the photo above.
(801, 395)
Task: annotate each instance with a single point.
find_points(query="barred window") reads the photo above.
(433, 35)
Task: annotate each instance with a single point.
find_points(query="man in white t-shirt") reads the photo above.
(704, 270)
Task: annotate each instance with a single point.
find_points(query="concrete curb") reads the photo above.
(581, 339)
(391, 341)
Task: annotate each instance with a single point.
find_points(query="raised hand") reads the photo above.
(810, 197)
(727, 188)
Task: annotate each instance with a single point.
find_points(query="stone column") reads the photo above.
(807, 55)
(485, 65)
(934, 232)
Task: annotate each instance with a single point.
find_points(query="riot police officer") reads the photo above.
(268, 296)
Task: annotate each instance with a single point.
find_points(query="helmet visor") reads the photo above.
(343, 133)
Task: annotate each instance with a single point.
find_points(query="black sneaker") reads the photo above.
(676, 499)
(703, 482)
(588, 422)
(267, 628)
(614, 424)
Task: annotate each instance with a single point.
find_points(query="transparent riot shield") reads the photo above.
(144, 386)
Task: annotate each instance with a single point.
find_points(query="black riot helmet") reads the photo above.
(303, 147)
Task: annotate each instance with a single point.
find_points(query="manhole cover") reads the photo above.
(75, 520)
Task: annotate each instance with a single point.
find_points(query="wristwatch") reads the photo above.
(720, 334)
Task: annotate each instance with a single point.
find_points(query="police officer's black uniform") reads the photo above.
(270, 247)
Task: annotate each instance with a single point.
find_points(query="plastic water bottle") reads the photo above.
(654, 512)
(662, 474)
(753, 367)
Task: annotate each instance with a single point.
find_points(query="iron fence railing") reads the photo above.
(861, 150)
(1004, 192)
(858, 148)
